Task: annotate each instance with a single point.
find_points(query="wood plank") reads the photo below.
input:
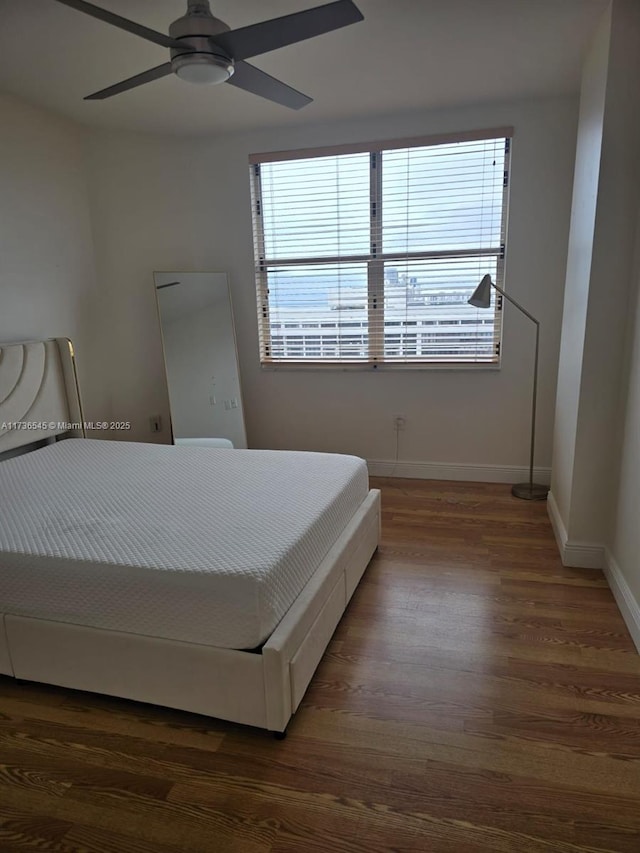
(477, 697)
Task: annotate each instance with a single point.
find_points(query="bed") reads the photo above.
(201, 579)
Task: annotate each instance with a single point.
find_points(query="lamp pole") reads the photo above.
(481, 298)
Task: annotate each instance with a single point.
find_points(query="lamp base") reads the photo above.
(530, 491)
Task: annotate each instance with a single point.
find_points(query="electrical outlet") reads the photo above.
(155, 423)
(399, 423)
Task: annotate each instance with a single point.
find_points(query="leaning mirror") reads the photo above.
(200, 357)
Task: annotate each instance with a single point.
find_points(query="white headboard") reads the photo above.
(39, 396)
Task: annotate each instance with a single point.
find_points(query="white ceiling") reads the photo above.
(405, 55)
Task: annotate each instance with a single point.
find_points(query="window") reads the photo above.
(368, 255)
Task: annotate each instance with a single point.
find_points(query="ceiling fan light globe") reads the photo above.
(202, 68)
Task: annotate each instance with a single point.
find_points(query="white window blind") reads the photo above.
(369, 256)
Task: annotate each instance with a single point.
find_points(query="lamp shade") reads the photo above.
(481, 296)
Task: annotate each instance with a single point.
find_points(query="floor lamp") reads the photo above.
(481, 298)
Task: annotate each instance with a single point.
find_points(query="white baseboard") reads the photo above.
(456, 471)
(625, 599)
(588, 555)
(559, 530)
(575, 554)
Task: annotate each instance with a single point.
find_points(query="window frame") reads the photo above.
(375, 259)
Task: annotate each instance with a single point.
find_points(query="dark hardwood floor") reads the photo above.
(476, 698)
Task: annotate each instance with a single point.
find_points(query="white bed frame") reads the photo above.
(262, 688)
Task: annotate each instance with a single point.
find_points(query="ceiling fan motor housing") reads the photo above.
(201, 61)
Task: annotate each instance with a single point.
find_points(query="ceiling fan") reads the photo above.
(205, 50)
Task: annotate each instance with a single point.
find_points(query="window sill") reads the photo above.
(379, 368)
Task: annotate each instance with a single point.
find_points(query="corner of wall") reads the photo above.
(573, 553)
(629, 607)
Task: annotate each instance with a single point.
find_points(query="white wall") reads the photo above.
(595, 495)
(581, 236)
(622, 555)
(184, 204)
(599, 282)
(146, 204)
(624, 547)
(47, 276)
(612, 265)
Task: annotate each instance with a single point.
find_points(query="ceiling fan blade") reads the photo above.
(132, 82)
(251, 79)
(123, 23)
(279, 32)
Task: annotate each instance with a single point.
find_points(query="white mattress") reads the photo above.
(189, 543)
